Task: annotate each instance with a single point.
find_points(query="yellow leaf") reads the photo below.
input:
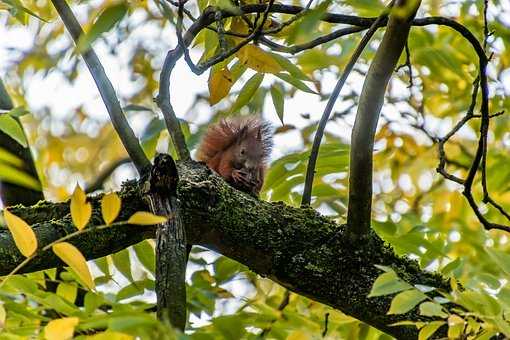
(239, 26)
(23, 235)
(67, 291)
(298, 335)
(74, 259)
(80, 209)
(60, 329)
(110, 207)
(259, 60)
(220, 82)
(3, 316)
(110, 335)
(146, 218)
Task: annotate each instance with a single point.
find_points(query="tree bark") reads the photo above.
(298, 248)
(171, 255)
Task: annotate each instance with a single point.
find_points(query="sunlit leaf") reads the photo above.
(220, 82)
(81, 210)
(428, 330)
(13, 129)
(432, 309)
(259, 60)
(388, 283)
(74, 259)
(455, 326)
(405, 301)
(67, 291)
(110, 207)
(146, 218)
(61, 329)
(23, 235)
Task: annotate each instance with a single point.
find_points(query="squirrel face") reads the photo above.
(238, 149)
(247, 160)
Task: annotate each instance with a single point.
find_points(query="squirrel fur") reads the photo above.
(238, 150)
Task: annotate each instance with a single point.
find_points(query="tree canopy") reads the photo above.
(385, 210)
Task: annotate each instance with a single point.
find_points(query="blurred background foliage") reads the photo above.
(419, 213)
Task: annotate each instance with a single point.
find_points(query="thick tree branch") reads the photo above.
(106, 90)
(365, 125)
(302, 250)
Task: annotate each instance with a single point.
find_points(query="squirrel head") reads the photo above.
(252, 146)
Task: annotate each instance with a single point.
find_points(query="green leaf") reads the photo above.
(67, 291)
(405, 301)
(9, 158)
(429, 329)
(432, 309)
(295, 82)
(278, 100)
(19, 111)
(388, 283)
(150, 136)
(122, 262)
(105, 22)
(450, 267)
(139, 108)
(225, 269)
(502, 259)
(290, 67)
(92, 301)
(13, 129)
(247, 91)
(146, 255)
(19, 177)
(20, 9)
(134, 289)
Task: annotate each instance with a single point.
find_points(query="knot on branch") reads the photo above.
(163, 177)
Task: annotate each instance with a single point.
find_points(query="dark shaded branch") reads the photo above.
(11, 193)
(367, 116)
(105, 88)
(305, 252)
(310, 170)
(103, 176)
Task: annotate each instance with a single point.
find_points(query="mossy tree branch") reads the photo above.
(298, 248)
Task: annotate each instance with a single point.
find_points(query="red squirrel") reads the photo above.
(238, 150)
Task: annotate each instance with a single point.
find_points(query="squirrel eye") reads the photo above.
(242, 151)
